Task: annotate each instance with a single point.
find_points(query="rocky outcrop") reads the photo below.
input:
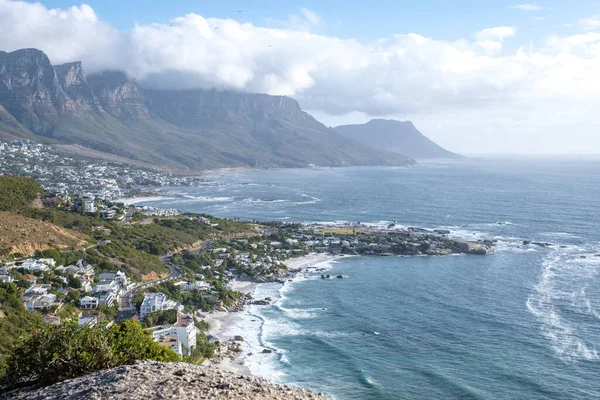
(479, 248)
(153, 380)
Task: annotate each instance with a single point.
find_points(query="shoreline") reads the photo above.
(226, 325)
(141, 199)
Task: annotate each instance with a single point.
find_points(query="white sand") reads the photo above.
(225, 325)
(309, 260)
(135, 200)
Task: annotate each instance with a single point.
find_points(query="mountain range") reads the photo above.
(110, 114)
(396, 136)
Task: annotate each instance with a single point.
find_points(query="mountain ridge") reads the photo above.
(192, 129)
(397, 136)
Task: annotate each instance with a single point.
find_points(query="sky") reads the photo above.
(475, 76)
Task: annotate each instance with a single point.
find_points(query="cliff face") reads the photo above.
(154, 380)
(75, 85)
(398, 136)
(29, 89)
(193, 129)
(119, 96)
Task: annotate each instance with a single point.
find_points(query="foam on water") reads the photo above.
(555, 298)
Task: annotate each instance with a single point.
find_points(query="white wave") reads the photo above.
(261, 201)
(562, 284)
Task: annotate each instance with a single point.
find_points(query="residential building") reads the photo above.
(89, 302)
(180, 337)
(90, 320)
(106, 298)
(156, 302)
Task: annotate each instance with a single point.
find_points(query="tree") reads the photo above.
(73, 296)
(57, 352)
(74, 282)
(161, 317)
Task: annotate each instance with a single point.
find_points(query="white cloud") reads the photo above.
(591, 23)
(498, 33)
(466, 86)
(528, 7)
(311, 16)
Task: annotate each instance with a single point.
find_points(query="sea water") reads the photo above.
(521, 323)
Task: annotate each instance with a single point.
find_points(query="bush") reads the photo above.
(57, 352)
(17, 192)
(162, 317)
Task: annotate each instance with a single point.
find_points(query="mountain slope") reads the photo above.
(193, 129)
(396, 136)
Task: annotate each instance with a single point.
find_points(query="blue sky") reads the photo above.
(359, 19)
(495, 76)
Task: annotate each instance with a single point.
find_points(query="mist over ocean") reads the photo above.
(522, 323)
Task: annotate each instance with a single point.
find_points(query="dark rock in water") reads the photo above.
(542, 244)
(267, 351)
(322, 276)
(414, 229)
(238, 338)
(268, 299)
(526, 242)
(340, 276)
(442, 231)
(582, 257)
(563, 247)
(479, 251)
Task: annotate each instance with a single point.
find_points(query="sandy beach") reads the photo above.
(225, 325)
(135, 200)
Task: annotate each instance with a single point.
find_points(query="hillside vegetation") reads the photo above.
(24, 236)
(17, 192)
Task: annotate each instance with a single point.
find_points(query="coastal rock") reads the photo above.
(238, 338)
(155, 380)
(267, 351)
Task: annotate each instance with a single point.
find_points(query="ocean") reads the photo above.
(523, 323)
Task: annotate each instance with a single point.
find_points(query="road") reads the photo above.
(126, 304)
(127, 216)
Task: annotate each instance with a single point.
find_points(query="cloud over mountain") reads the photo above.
(405, 74)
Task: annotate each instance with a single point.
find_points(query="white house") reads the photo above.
(6, 278)
(89, 302)
(191, 286)
(180, 337)
(156, 302)
(186, 332)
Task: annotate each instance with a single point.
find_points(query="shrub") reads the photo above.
(17, 192)
(57, 352)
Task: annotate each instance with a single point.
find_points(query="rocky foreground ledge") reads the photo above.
(155, 380)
